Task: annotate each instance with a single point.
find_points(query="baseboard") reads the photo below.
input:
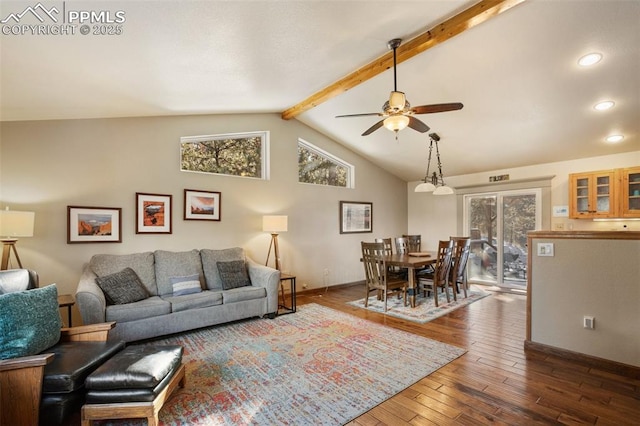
(584, 359)
(319, 290)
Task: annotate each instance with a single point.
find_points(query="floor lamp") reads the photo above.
(14, 224)
(274, 225)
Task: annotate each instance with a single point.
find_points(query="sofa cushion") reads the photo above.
(122, 287)
(193, 301)
(233, 274)
(153, 306)
(141, 263)
(175, 264)
(30, 321)
(186, 285)
(241, 294)
(210, 259)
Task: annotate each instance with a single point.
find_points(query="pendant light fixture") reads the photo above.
(435, 182)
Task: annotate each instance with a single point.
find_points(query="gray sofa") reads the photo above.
(162, 312)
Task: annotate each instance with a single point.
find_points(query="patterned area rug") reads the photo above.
(318, 366)
(425, 309)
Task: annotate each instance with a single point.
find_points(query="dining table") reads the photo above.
(411, 262)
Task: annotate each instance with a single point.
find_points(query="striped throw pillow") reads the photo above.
(185, 285)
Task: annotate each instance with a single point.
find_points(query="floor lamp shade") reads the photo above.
(14, 224)
(274, 225)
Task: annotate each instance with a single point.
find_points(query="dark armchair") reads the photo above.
(43, 367)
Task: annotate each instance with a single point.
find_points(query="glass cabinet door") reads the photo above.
(631, 192)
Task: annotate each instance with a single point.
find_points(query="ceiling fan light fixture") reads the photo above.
(395, 123)
(397, 100)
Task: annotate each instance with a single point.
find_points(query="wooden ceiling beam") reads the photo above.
(469, 18)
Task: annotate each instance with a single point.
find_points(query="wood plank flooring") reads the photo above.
(495, 382)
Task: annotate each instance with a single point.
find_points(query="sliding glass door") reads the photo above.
(498, 224)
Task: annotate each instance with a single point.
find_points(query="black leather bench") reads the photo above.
(135, 383)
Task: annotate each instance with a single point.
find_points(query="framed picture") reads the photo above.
(356, 217)
(94, 224)
(153, 213)
(201, 205)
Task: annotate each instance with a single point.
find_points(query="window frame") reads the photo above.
(351, 170)
(265, 149)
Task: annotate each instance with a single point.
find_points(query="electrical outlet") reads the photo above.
(326, 272)
(304, 285)
(558, 226)
(589, 322)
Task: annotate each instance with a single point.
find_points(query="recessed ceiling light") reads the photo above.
(614, 138)
(590, 59)
(604, 105)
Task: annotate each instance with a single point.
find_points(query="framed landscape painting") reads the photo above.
(201, 205)
(94, 224)
(356, 217)
(153, 213)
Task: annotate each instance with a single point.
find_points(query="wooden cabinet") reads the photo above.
(630, 194)
(593, 195)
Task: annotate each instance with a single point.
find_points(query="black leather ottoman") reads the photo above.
(134, 383)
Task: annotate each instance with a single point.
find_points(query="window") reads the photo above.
(318, 167)
(234, 154)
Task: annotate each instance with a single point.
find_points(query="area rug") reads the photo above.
(425, 309)
(317, 366)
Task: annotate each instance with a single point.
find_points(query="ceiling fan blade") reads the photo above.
(418, 125)
(366, 114)
(429, 109)
(373, 128)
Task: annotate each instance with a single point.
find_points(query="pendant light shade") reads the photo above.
(434, 183)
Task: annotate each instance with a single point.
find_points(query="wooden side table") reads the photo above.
(66, 301)
(292, 285)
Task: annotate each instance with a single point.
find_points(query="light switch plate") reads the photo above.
(545, 249)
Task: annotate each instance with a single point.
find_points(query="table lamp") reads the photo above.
(14, 224)
(274, 225)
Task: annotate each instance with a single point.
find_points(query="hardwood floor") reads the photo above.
(495, 382)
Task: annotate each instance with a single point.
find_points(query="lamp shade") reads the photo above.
(425, 187)
(444, 190)
(274, 224)
(15, 224)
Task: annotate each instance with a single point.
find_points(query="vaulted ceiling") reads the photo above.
(526, 99)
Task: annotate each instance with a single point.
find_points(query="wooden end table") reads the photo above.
(292, 283)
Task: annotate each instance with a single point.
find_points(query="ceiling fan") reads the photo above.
(397, 110)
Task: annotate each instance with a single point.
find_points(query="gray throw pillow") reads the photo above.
(233, 274)
(122, 287)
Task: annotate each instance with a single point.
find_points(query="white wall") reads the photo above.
(46, 166)
(588, 277)
(435, 217)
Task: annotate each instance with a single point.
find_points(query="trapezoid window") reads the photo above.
(318, 167)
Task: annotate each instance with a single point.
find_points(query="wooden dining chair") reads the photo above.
(440, 276)
(402, 245)
(395, 271)
(377, 276)
(459, 257)
(414, 242)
